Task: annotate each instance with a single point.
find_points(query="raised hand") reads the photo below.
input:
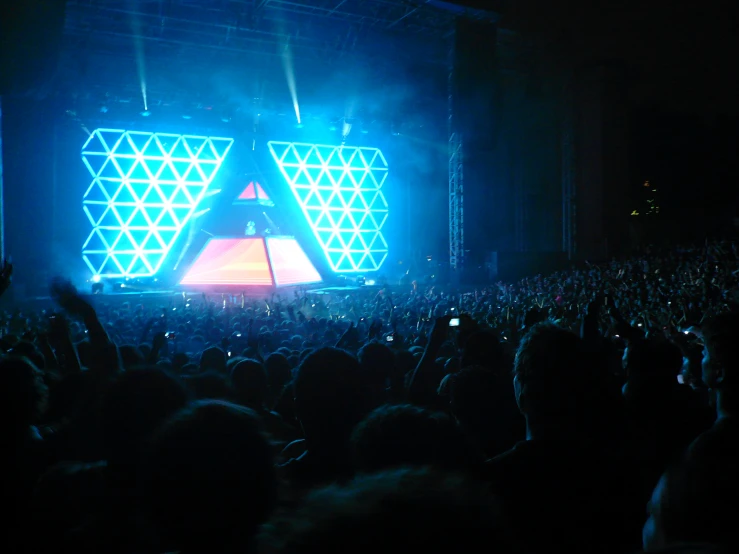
(440, 330)
(350, 337)
(375, 330)
(65, 294)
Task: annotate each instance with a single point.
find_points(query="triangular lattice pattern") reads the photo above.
(339, 190)
(145, 188)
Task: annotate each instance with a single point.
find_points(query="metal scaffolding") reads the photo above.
(456, 179)
(569, 175)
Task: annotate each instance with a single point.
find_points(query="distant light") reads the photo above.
(299, 125)
(96, 278)
(186, 116)
(365, 131)
(370, 283)
(103, 109)
(333, 128)
(145, 113)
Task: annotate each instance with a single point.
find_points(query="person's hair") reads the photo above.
(279, 373)
(134, 406)
(210, 385)
(131, 356)
(329, 396)
(654, 360)
(483, 348)
(401, 508)
(209, 477)
(396, 436)
(721, 337)
(249, 380)
(23, 394)
(213, 359)
(485, 406)
(550, 371)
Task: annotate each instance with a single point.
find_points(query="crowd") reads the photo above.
(592, 410)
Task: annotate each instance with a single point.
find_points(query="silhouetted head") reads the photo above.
(653, 361)
(209, 478)
(131, 356)
(376, 362)
(213, 359)
(550, 381)
(329, 396)
(209, 385)
(134, 406)
(405, 510)
(483, 349)
(396, 436)
(484, 403)
(249, 380)
(721, 360)
(23, 395)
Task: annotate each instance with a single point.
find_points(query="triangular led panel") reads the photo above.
(346, 181)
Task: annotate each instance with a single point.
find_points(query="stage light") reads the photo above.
(146, 113)
(339, 191)
(96, 278)
(145, 188)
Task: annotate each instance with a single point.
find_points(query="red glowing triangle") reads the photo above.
(248, 193)
(261, 194)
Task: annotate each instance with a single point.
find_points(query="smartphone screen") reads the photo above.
(390, 338)
(454, 322)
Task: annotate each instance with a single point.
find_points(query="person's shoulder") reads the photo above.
(500, 467)
(722, 436)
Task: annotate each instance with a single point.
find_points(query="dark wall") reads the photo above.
(601, 131)
(28, 176)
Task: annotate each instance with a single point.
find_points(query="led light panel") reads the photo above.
(145, 188)
(339, 191)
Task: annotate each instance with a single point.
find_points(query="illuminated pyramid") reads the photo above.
(339, 191)
(254, 193)
(275, 261)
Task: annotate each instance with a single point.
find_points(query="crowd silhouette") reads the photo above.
(592, 410)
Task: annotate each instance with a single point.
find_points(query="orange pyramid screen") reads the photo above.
(290, 264)
(231, 262)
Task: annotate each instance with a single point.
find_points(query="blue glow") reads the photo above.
(145, 188)
(339, 191)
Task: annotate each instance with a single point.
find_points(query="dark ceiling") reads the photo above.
(380, 56)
